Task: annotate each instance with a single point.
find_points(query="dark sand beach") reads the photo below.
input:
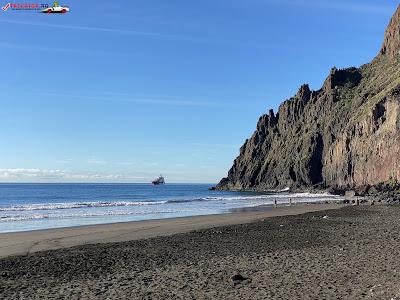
(345, 253)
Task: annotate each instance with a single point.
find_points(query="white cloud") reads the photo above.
(33, 175)
(49, 175)
(30, 173)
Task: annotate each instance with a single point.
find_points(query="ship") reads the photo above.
(158, 180)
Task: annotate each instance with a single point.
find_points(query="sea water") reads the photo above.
(40, 206)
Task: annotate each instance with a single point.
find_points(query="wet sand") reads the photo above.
(23, 243)
(346, 253)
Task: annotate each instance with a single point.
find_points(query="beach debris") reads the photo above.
(325, 217)
(238, 278)
(281, 225)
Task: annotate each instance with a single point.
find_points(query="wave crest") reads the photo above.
(56, 206)
(269, 198)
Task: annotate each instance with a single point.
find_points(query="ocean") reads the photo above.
(26, 207)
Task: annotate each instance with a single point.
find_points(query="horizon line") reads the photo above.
(92, 182)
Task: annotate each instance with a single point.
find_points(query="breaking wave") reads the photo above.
(29, 217)
(306, 196)
(56, 206)
(268, 198)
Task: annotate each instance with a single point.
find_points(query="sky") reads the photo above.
(121, 91)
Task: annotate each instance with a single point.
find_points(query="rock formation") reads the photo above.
(344, 136)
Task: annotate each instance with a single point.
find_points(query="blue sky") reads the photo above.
(122, 91)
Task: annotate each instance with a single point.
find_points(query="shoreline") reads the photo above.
(27, 242)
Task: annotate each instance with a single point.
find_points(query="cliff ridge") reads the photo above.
(345, 135)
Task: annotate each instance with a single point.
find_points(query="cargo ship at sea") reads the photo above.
(158, 180)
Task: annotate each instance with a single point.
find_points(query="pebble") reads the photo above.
(238, 277)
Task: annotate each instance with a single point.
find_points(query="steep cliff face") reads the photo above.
(345, 135)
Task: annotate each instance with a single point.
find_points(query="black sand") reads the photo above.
(354, 253)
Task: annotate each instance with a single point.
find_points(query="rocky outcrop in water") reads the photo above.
(344, 136)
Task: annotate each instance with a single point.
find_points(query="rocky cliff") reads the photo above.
(345, 135)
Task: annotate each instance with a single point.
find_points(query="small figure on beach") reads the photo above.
(275, 202)
(290, 201)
